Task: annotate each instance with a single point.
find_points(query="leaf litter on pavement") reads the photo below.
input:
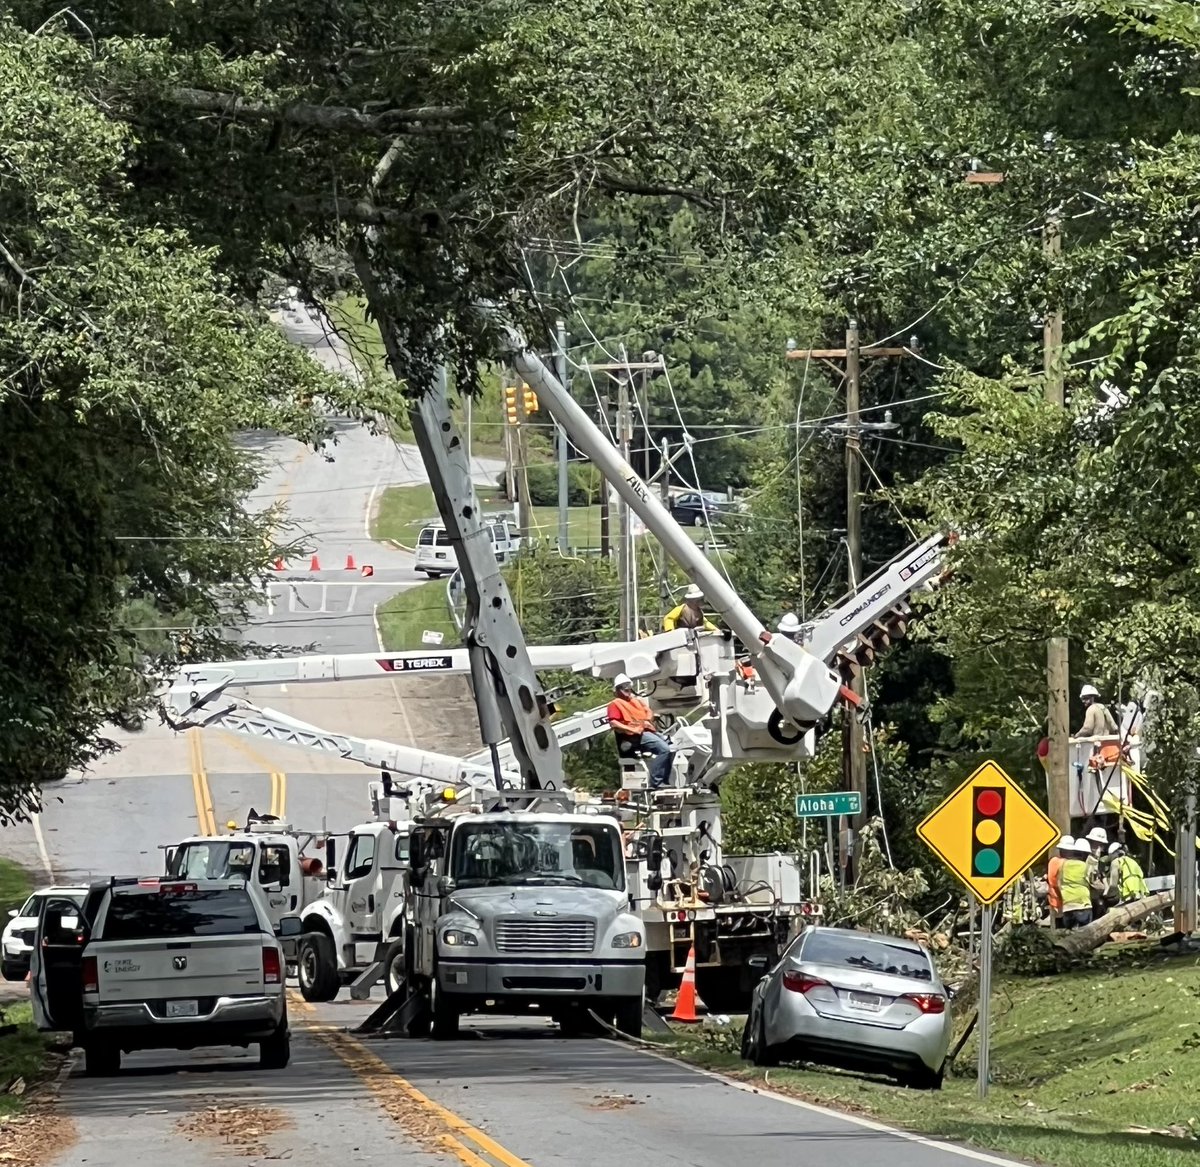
(35, 1137)
(239, 1130)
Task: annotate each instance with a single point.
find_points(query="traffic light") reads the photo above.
(510, 404)
(531, 401)
(873, 640)
(987, 831)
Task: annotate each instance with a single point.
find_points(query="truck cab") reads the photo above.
(520, 910)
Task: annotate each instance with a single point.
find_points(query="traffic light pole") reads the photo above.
(564, 488)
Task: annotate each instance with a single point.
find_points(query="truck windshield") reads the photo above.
(215, 860)
(484, 854)
(149, 915)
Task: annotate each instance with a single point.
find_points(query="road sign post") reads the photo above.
(988, 832)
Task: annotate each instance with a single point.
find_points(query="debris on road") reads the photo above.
(35, 1138)
(242, 1130)
(614, 1101)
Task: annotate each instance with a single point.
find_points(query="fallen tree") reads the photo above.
(1077, 941)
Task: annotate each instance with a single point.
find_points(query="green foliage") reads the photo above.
(583, 484)
(128, 365)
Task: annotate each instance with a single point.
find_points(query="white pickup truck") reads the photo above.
(173, 964)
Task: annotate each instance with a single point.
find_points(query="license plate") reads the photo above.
(868, 1002)
(183, 1008)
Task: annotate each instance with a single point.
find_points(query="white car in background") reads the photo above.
(17, 941)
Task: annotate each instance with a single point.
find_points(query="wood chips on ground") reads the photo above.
(37, 1137)
(237, 1130)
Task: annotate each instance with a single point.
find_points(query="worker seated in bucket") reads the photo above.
(632, 721)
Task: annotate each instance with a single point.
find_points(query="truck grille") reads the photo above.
(545, 936)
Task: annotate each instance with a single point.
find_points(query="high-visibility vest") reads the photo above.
(632, 711)
(1131, 882)
(1074, 886)
(685, 616)
(1053, 892)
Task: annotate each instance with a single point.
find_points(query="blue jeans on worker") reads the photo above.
(660, 763)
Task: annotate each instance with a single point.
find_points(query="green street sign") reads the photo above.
(819, 806)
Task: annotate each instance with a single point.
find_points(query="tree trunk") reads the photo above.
(1077, 941)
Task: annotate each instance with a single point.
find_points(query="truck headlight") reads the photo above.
(456, 937)
(627, 940)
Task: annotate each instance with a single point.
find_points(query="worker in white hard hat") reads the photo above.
(1073, 882)
(1127, 881)
(1066, 846)
(632, 723)
(689, 614)
(1097, 869)
(789, 626)
(1098, 721)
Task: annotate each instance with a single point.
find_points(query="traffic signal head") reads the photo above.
(987, 831)
(510, 404)
(531, 401)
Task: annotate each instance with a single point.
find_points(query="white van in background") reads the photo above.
(435, 556)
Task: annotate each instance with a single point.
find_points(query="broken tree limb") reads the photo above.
(1077, 941)
(324, 117)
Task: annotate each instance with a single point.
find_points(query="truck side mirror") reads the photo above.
(330, 854)
(416, 855)
(289, 926)
(169, 860)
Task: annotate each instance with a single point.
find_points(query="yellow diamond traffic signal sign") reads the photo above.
(988, 832)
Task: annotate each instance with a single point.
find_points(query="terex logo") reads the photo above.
(917, 564)
(414, 664)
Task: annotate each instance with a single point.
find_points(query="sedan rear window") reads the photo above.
(151, 915)
(871, 955)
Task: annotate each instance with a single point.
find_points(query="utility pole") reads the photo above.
(624, 534)
(664, 496)
(560, 361)
(510, 481)
(854, 757)
(1058, 664)
(525, 515)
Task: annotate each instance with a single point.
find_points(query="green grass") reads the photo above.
(1078, 1062)
(404, 510)
(405, 616)
(15, 886)
(24, 1054)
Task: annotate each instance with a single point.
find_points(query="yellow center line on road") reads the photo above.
(425, 1121)
(278, 778)
(206, 820)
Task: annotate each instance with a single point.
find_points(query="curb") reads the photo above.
(398, 546)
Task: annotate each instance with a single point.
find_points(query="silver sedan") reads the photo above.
(855, 999)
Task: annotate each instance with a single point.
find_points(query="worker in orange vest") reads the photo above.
(632, 721)
(1066, 845)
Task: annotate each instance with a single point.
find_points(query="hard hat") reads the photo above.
(1113, 848)
(1097, 835)
(1082, 847)
(1066, 843)
(621, 679)
(1089, 691)
(693, 593)
(788, 622)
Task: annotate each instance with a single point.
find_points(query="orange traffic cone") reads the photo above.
(349, 562)
(314, 564)
(367, 569)
(685, 1003)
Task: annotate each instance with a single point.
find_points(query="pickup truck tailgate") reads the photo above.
(198, 967)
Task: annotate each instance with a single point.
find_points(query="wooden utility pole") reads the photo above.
(856, 758)
(624, 533)
(510, 481)
(525, 514)
(854, 754)
(564, 490)
(664, 496)
(1058, 664)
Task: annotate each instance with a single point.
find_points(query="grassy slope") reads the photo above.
(22, 1055)
(405, 616)
(1077, 1061)
(404, 510)
(15, 885)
